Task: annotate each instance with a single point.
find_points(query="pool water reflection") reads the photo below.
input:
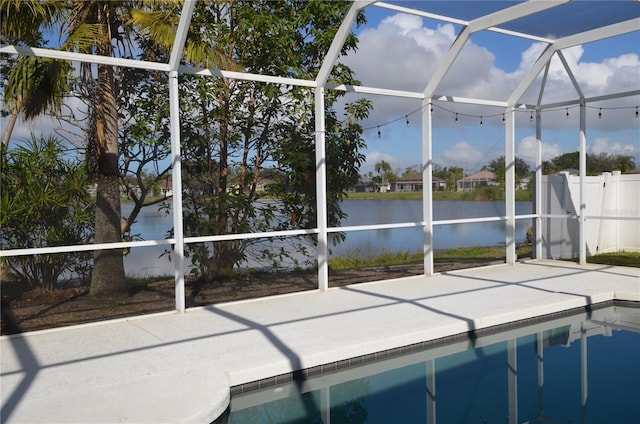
(573, 369)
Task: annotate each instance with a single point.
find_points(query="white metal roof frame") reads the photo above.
(511, 12)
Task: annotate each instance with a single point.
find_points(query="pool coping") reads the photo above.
(418, 347)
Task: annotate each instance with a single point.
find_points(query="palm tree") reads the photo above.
(34, 85)
(383, 169)
(90, 27)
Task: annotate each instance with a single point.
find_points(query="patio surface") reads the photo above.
(173, 367)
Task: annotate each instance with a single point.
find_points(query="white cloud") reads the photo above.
(48, 125)
(402, 53)
(605, 145)
(374, 157)
(526, 150)
(461, 154)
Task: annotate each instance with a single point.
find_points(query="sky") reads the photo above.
(401, 51)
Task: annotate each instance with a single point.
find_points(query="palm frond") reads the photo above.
(161, 26)
(173, 6)
(206, 56)
(38, 84)
(23, 19)
(84, 38)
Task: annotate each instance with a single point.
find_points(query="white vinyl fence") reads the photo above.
(611, 217)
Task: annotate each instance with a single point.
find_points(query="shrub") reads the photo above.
(44, 202)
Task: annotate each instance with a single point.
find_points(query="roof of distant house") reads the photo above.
(482, 175)
(416, 176)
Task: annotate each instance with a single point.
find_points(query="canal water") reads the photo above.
(153, 225)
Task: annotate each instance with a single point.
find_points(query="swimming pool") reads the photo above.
(578, 368)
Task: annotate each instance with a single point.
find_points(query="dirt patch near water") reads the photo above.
(37, 310)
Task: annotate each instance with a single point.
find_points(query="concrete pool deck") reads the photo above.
(173, 367)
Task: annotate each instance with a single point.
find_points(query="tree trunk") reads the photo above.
(11, 123)
(108, 278)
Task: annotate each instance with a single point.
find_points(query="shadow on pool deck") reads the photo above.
(57, 375)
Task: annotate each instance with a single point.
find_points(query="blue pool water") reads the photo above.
(573, 369)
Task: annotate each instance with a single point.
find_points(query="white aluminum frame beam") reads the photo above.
(505, 15)
(583, 172)
(510, 184)
(339, 40)
(569, 72)
(321, 191)
(427, 187)
(459, 21)
(597, 34)
(83, 57)
(174, 116)
(320, 139)
(571, 41)
(537, 229)
(181, 34)
(591, 99)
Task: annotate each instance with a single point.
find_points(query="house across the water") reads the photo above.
(482, 178)
(413, 182)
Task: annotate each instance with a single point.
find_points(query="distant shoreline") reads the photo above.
(521, 195)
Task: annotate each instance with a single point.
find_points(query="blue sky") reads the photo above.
(399, 51)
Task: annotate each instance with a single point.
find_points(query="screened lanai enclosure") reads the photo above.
(198, 138)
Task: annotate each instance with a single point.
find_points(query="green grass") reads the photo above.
(631, 259)
(358, 259)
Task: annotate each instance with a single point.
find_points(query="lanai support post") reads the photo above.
(321, 155)
(427, 180)
(537, 230)
(176, 178)
(176, 175)
(510, 185)
(321, 191)
(583, 171)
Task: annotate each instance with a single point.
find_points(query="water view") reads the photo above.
(153, 224)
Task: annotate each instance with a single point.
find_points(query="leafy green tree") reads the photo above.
(232, 130)
(43, 203)
(411, 170)
(145, 141)
(497, 166)
(596, 164)
(450, 175)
